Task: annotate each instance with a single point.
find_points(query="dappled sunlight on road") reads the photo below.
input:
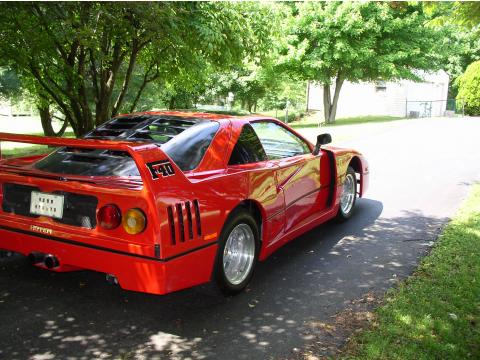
(79, 315)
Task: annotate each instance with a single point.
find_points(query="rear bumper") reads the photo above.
(134, 271)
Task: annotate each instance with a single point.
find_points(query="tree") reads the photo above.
(469, 88)
(10, 86)
(83, 56)
(360, 41)
(463, 13)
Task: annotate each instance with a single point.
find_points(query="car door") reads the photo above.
(297, 173)
(249, 156)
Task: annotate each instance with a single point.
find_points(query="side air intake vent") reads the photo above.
(184, 222)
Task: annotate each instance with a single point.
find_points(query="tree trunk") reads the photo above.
(326, 102)
(126, 80)
(336, 95)
(46, 119)
(171, 103)
(329, 104)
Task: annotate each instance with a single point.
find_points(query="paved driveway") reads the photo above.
(420, 172)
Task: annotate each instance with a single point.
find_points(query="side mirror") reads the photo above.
(322, 139)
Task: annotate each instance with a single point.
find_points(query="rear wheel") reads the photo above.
(348, 196)
(237, 253)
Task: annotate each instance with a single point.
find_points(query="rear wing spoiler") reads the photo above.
(80, 143)
(151, 161)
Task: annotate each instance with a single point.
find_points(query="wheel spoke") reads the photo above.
(239, 254)
(348, 194)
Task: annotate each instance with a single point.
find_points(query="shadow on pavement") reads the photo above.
(79, 316)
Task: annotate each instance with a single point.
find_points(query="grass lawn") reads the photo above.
(11, 149)
(313, 120)
(434, 314)
(25, 151)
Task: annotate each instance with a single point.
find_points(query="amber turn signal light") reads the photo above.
(134, 221)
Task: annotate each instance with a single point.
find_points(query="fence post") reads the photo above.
(406, 108)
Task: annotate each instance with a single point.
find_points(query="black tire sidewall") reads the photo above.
(239, 216)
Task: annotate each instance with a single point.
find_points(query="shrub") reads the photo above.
(469, 88)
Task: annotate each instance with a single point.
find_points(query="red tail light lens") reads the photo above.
(109, 217)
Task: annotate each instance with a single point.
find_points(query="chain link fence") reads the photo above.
(430, 108)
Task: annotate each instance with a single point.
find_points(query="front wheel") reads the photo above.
(237, 253)
(349, 195)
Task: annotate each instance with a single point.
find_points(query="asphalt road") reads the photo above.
(420, 172)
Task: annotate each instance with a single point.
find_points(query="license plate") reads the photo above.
(46, 204)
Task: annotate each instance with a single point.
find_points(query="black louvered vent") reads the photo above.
(189, 219)
(181, 218)
(180, 222)
(171, 223)
(197, 217)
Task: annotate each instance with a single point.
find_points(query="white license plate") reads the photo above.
(46, 204)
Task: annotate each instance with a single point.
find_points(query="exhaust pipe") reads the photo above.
(36, 257)
(111, 279)
(50, 261)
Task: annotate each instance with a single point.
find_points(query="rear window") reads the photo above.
(184, 139)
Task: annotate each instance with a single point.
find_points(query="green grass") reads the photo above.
(26, 151)
(67, 134)
(434, 314)
(11, 149)
(293, 115)
(312, 121)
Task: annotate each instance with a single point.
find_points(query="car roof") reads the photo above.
(199, 115)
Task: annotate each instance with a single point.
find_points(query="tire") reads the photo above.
(347, 203)
(240, 235)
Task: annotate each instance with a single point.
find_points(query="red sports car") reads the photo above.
(162, 201)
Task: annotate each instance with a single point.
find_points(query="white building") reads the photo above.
(403, 98)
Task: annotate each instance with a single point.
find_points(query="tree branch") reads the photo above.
(128, 75)
(145, 82)
(40, 16)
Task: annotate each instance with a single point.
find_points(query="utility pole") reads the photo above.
(286, 112)
(308, 96)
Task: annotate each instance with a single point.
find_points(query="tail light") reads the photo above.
(134, 221)
(109, 217)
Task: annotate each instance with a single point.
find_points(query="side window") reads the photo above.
(188, 147)
(248, 148)
(278, 142)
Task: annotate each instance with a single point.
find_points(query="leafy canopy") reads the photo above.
(469, 88)
(91, 59)
(361, 41)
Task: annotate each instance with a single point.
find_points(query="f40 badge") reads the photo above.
(161, 168)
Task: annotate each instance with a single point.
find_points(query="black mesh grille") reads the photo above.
(78, 210)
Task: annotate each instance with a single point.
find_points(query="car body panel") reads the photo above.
(185, 211)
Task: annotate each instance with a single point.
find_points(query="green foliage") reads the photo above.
(360, 41)
(469, 89)
(85, 56)
(10, 86)
(435, 314)
(463, 13)
(464, 49)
